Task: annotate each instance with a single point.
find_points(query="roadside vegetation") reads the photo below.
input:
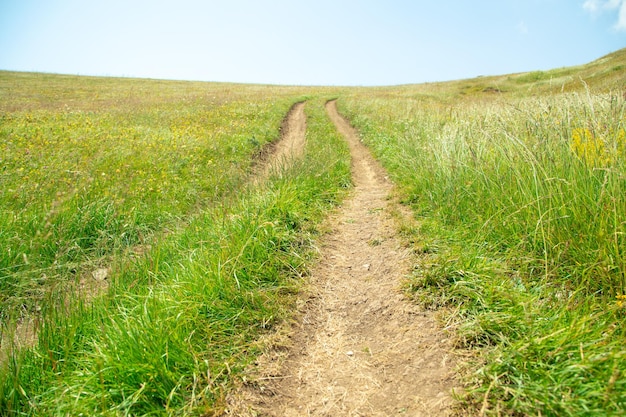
(519, 186)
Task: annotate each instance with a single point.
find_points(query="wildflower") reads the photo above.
(589, 148)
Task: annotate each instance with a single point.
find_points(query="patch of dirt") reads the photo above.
(290, 145)
(13, 337)
(359, 347)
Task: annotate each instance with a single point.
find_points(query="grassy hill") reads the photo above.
(518, 185)
(141, 262)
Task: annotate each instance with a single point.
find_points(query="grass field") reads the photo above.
(518, 184)
(149, 181)
(93, 166)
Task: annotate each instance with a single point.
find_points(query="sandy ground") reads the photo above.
(359, 347)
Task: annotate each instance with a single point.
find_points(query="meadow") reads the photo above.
(94, 166)
(518, 183)
(150, 181)
(141, 262)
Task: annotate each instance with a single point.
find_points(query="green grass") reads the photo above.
(522, 224)
(168, 174)
(517, 183)
(99, 165)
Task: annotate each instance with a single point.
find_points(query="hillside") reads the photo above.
(162, 238)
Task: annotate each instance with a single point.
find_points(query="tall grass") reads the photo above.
(185, 305)
(92, 166)
(523, 219)
(517, 182)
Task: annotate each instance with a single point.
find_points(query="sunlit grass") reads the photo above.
(86, 173)
(517, 183)
(522, 210)
(155, 187)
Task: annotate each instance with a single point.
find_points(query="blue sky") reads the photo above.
(314, 42)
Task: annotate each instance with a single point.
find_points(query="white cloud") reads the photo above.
(595, 6)
(591, 5)
(599, 6)
(621, 20)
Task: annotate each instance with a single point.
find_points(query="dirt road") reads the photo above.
(359, 348)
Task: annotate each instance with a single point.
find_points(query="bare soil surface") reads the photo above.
(290, 145)
(359, 347)
(293, 132)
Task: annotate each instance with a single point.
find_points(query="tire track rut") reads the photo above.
(290, 146)
(360, 348)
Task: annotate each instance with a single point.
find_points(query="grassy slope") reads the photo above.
(157, 192)
(505, 173)
(519, 185)
(92, 166)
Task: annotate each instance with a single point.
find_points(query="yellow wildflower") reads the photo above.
(589, 148)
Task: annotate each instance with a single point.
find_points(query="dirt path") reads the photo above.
(291, 144)
(360, 348)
